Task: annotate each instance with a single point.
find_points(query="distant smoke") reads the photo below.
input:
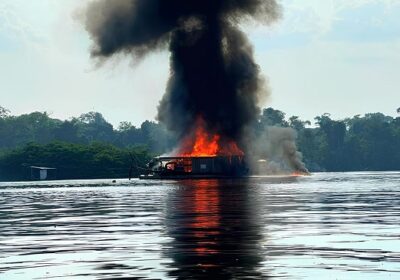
(213, 73)
(275, 152)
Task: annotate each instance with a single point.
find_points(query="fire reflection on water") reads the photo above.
(206, 225)
(215, 233)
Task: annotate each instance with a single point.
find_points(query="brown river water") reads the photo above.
(326, 226)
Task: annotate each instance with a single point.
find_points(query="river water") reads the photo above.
(327, 226)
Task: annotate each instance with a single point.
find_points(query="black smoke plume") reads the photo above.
(213, 74)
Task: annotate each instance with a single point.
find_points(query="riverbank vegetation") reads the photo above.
(89, 146)
(73, 161)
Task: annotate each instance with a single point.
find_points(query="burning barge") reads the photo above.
(200, 155)
(199, 167)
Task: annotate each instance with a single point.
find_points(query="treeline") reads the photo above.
(85, 147)
(90, 147)
(361, 143)
(41, 128)
(73, 161)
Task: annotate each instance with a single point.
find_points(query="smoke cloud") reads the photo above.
(213, 74)
(274, 151)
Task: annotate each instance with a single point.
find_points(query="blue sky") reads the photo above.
(336, 56)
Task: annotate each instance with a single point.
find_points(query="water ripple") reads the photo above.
(340, 224)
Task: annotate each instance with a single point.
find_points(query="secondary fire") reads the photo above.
(202, 143)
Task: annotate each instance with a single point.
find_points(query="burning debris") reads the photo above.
(215, 85)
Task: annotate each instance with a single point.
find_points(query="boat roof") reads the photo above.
(42, 168)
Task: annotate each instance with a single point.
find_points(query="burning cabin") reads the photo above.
(201, 154)
(196, 167)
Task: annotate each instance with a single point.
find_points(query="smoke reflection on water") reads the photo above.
(341, 225)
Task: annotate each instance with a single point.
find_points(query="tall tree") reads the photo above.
(4, 112)
(94, 127)
(297, 124)
(272, 117)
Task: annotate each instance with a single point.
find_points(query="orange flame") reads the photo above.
(299, 174)
(205, 144)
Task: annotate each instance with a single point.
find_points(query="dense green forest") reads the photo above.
(90, 147)
(73, 161)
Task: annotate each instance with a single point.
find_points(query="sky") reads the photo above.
(334, 56)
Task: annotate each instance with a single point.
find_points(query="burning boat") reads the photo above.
(196, 167)
(212, 99)
(201, 154)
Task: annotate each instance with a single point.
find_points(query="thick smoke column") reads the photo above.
(213, 74)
